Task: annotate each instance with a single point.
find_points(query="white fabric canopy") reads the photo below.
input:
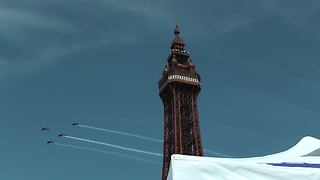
(301, 162)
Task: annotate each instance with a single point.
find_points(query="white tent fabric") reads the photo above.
(301, 162)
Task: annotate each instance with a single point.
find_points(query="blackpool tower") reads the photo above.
(179, 88)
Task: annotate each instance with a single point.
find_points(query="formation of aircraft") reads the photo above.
(59, 135)
(75, 124)
(44, 129)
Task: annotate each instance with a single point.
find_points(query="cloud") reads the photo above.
(31, 29)
(152, 10)
(28, 41)
(15, 23)
(213, 18)
(41, 59)
(31, 39)
(299, 13)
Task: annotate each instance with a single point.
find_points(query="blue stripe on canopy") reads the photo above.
(286, 164)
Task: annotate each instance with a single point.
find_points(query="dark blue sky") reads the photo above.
(98, 62)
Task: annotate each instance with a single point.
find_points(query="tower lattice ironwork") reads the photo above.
(179, 89)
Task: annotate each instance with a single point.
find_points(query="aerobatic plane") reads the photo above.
(44, 129)
(50, 142)
(61, 135)
(75, 124)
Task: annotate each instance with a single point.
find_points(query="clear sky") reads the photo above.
(98, 62)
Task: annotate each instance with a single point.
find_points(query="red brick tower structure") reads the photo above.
(178, 89)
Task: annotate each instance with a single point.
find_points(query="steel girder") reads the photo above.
(181, 122)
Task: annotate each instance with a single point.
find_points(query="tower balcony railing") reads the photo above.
(179, 71)
(178, 51)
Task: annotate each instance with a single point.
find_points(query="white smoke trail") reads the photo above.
(115, 146)
(122, 133)
(217, 154)
(107, 152)
(147, 138)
